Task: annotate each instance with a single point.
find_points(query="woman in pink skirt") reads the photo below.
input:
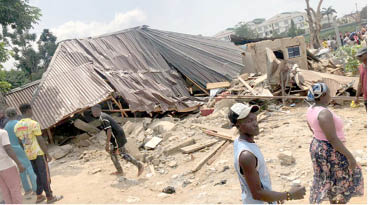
(337, 177)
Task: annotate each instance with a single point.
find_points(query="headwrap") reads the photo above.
(316, 92)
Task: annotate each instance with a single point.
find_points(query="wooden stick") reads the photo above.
(51, 138)
(283, 87)
(218, 135)
(247, 86)
(207, 157)
(120, 107)
(218, 153)
(204, 90)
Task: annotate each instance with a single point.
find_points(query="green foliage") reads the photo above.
(348, 54)
(17, 78)
(46, 46)
(292, 29)
(327, 12)
(242, 30)
(4, 85)
(4, 55)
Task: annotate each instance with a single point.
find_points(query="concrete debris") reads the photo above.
(95, 171)
(62, 151)
(286, 158)
(153, 143)
(172, 164)
(161, 127)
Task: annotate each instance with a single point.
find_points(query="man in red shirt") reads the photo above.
(362, 87)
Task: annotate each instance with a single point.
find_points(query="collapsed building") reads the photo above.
(148, 70)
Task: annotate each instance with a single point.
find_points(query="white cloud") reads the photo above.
(79, 29)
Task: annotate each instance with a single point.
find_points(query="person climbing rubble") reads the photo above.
(115, 141)
(362, 86)
(249, 162)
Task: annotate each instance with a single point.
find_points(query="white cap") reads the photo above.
(243, 110)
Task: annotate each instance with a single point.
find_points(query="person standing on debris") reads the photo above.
(29, 133)
(249, 162)
(11, 114)
(362, 86)
(115, 141)
(9, 177)
(336, 173)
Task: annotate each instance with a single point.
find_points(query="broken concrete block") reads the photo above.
(83, 136)
(153, 143)
(176, 146)
(62, 151)
(83, 143)
(196, 147)
(85, 126)
(162, 126)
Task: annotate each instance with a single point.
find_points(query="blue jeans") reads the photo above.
(21, 155)
(32, 177)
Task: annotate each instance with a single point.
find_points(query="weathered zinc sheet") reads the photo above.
(23, 94)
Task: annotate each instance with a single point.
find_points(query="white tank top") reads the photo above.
(239, 147)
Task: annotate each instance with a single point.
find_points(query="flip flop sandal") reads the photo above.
(40, 199)
(55, 199)
(117, 173)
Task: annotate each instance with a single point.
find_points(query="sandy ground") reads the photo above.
(87, 180)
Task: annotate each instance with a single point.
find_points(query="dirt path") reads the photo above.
(87, 180)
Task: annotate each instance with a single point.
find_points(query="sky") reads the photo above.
(69, 19)
(85, 18)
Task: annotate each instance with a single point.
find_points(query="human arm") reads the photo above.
(248, 163)
(325, 118)
(108, 138)
(359, 90)
(9, 150)
(43, 147)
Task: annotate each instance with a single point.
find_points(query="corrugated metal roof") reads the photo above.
(69, 84)
(135, 63)
(21, 95)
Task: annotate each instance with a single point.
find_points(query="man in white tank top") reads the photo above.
(249, 163)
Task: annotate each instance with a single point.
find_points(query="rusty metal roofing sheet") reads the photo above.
(69, 84)
(135, 62)
(21, 95)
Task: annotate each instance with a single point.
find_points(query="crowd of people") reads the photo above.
(337, 176)
(349, 38)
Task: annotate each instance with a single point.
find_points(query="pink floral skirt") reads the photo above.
(332, 178)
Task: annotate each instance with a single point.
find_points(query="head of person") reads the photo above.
(11, 113)
(362, 55)
(26, 110)
(244, 117)
(2, 115)
(319, 94)
(96, 110)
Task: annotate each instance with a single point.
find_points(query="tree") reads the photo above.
(46, 46)
(363, 13)
(327, 12)
(17, 15)
(314, 21)
(242, 30)
(16, 78)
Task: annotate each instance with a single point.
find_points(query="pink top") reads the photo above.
(312, 118)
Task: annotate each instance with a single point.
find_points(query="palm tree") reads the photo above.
(327, 12)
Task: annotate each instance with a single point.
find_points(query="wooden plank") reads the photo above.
(247, 86)
(199, 146)
(225, 84)
(260, 80)
(153, 143)
(176, 147)
(226, 137)
(207, 157)
(120, 107)
(223, 131)
(204, 90)
(51, 138)
(218, 153)
(152, 170)
(85, 126)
